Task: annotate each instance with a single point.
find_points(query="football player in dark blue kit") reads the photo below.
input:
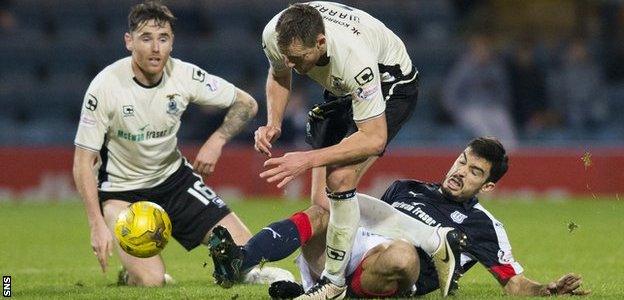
(385, 262)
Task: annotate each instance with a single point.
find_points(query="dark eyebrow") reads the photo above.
(464, 155)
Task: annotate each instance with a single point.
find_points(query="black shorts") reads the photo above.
(332, 121)
(192, 206)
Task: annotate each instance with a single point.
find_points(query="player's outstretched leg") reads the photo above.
(226, 256)
(447, 257)
(233, 266)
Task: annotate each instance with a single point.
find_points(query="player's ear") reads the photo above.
(128, 40)
(488, 187)
(320, 40)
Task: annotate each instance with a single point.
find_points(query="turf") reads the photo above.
(45, 248)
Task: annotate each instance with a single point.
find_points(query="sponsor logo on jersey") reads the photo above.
(458, 217)
(505, 257)
(91, 103)
(199, 75)
(414, 194)
(128, 110)
(87, 121)
(365, 76)
(144, 136)
(367, 93)
(414, 209)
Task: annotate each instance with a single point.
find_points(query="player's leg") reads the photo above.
(318, 188)
(237, 229)
(389, 269)
(274, 242)
(141, 271)
(318, 193)
(343, 222)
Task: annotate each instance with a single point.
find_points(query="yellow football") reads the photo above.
(143, 229)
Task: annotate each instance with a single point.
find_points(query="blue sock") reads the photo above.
(272, 243)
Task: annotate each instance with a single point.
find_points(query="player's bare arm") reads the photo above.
(369, 140)
(101, 237)
(278, 89)
(520, 285)
(242, 110)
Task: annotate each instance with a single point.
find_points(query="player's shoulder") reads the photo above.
(112, 75)
(412, 184)
(485, 214)
(176, 66)
(117, 70)
(186, 72)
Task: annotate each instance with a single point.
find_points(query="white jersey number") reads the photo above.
(202, 192)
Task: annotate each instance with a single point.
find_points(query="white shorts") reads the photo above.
(364, 241)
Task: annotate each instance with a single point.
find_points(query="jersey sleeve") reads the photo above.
(493, 250)
(364, 84)
(271, 50)
(94, 120)
(208, 89)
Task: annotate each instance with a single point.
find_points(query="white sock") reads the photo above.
(343, 222)
(381, 218)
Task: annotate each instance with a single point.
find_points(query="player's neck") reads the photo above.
(323, 60)
(144, 78)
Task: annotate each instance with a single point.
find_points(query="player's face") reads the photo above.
(467, 176)
(150, 45)
(301, 58)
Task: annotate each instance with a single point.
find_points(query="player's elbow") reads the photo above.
(377, 144)
(247, 101)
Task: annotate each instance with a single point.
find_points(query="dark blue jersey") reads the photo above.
(487, 239)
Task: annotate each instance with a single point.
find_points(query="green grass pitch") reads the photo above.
(45, 248)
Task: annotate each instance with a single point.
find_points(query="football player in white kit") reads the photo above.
(371, 90)
(127, 129)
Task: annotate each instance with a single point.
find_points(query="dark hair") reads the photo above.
(493, 151)
(299, 22)
(149, 10)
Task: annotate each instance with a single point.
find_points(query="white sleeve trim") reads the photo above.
(87, 148)
(503, 241)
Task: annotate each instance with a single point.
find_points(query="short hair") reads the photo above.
(149, 10)
(299, 22)
(490, 149)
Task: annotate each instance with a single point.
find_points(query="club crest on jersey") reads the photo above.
(458, 217)
(172, 104)
(338, 84)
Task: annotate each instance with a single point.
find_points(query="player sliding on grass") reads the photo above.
(129, 120)
(389, 265)
(371, 90)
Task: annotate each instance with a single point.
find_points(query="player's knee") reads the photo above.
(406, 257)
(146, 279)
(318, 217)
(341, 179)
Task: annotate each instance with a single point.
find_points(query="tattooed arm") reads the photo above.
(240, 112)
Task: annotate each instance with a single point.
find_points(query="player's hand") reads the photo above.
(284, 169)
(102, 243)
(208, 155)
(264, 137)
(567, 285)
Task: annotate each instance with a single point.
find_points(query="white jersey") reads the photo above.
(357, 44)
(134, 127)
